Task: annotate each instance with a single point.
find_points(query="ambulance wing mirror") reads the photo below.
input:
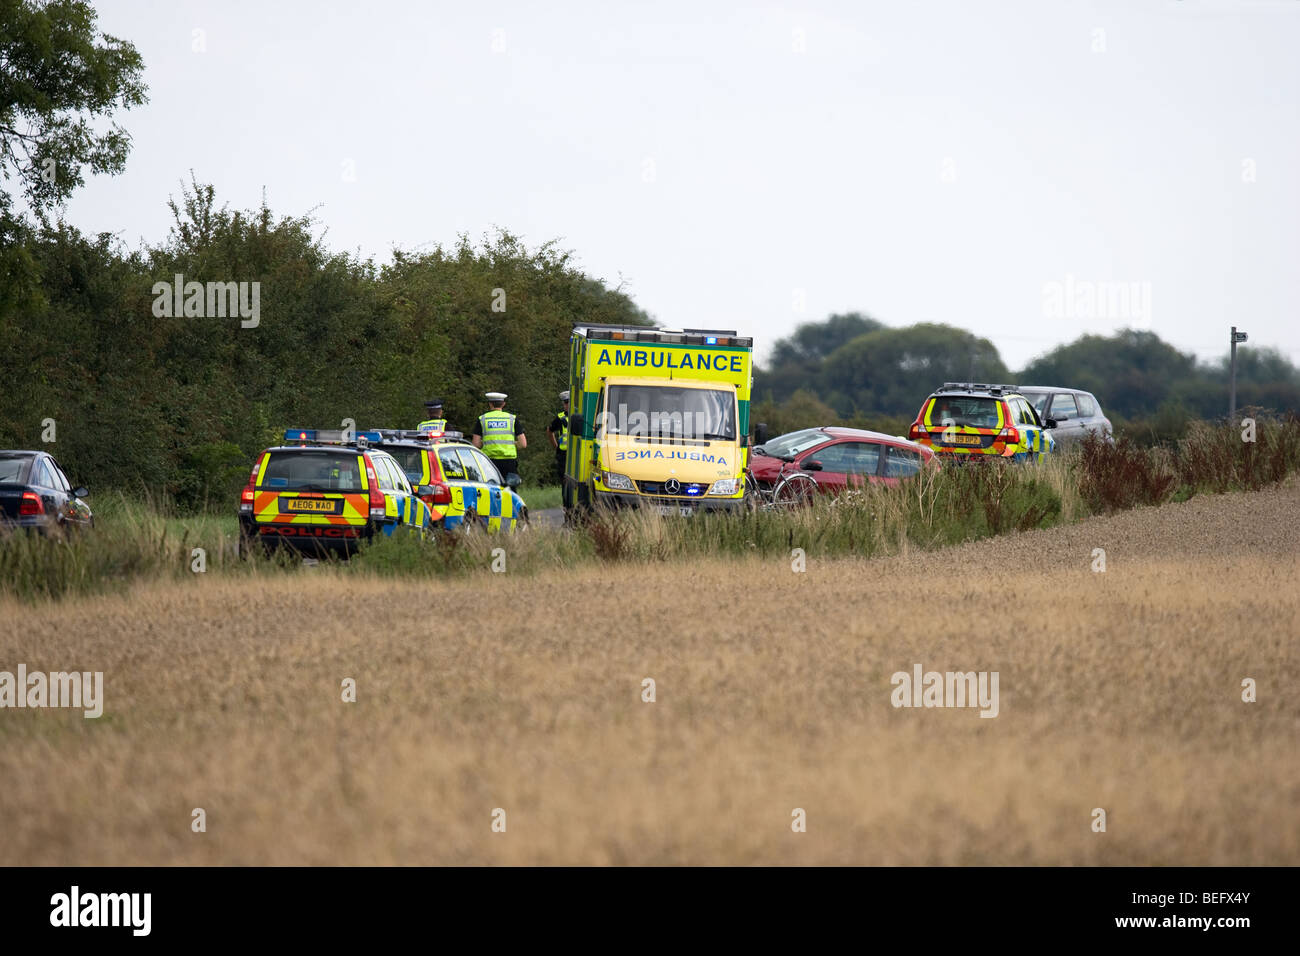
(760, 433)
(576, 424)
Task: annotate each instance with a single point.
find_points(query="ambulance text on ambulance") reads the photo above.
(644, 358)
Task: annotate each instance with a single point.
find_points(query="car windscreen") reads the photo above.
(972, 411)
(1038, 400)
(410, 460)
(667, 411)
(312, 470)
(794, 443)
(14, 468)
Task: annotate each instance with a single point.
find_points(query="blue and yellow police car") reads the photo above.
(460, 484)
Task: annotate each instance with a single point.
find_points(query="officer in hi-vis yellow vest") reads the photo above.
(558, 432)
(435, 422)
(501, 437)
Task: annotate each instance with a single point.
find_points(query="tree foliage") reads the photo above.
(1136, 374)
(882, 373)
(61, 83)
(179, 406)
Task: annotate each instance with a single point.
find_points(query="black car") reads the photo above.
(1074, 411)
(36, 494)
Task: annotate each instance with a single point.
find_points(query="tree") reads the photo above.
(813, 341)
(57, 74)
(890, 371)
(797, 358)
(185, 401)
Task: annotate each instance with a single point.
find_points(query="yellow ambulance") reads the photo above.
(659, 418)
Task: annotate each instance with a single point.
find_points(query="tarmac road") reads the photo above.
(552, 517)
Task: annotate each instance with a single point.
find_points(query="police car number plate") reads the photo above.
(963, 439)
(316, 505)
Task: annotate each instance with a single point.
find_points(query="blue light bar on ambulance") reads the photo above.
(702, 337)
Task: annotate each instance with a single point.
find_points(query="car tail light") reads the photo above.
(917, 431)
(31, 504)
(1009, 435)
(441, 494)
(378, 509)
(250, 490)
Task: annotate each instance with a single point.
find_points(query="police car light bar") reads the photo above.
(979, 387)
(415, 434)
(330, 436)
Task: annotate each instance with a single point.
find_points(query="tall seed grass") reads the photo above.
(132, 539)
(1209, 459)
(137, 540)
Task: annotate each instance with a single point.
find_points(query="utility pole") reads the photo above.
(1232, 375)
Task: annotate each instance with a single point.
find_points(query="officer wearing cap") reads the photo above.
(501, 437)
(435, 422)
(558, 432)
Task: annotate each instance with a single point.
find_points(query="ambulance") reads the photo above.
(659, 418)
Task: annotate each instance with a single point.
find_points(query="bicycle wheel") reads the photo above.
(795, 491)
(753, 496)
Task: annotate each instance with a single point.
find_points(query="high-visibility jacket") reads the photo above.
(432, 425)
(563, 437)
(498, 428)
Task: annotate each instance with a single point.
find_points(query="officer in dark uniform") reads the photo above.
(558, 432)
(435, 422)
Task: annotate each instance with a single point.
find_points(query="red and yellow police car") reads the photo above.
(326, 492)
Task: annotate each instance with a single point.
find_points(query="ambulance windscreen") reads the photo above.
(669, 412)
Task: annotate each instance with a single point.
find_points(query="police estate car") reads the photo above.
(965, 421)
(458, 482)
(326, 492)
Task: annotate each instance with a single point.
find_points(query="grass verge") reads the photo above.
(137, 540)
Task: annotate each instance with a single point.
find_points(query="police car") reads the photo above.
(459, 483)
(327, 492)
(972, 421)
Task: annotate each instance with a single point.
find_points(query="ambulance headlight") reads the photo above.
(725, 486)
(617, 482)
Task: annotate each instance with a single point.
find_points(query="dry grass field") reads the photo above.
(1119, 690)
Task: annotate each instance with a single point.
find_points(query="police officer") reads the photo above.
(558, 432)
(501, 437)
(435, 422)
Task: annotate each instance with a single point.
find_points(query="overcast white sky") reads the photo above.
(733, 163)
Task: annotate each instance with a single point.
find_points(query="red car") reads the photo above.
(838, 458)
